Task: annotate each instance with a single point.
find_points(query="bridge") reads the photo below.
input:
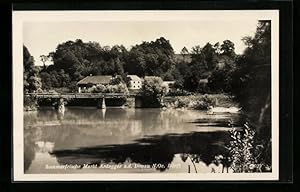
(61, 98)
(80, 95)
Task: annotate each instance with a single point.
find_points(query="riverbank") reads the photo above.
(199, 101)
(30, 104)
(195, 101)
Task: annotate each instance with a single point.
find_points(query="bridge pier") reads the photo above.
(60, 105)
(138, 102)
(101, 103)
(162, 103)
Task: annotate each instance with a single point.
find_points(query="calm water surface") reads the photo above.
(115, 140)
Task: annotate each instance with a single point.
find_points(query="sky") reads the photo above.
(43, 37)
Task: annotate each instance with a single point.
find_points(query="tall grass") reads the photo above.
(201, 102)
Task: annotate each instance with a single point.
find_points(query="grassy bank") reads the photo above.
(199, 101)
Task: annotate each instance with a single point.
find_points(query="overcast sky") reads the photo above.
(43, 37)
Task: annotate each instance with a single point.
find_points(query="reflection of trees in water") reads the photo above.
(29, 152)
(156, 121)
(223, 120)
(150, 150)
(30, 117)
(71, 135)
(30, 137)
(150, 119)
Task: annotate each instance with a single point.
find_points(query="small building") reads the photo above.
(203, 81)
(168, 85)
(135, 82)
(91, 81)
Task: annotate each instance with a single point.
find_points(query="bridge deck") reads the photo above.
(80, 95)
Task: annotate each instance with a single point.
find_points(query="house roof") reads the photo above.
(99, 79)
(134, 77)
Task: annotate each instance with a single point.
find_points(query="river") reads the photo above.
(116, 140)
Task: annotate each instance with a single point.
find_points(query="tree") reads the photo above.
(151, 58)
(46, 80)
(210, 56)
(44, 59)
(32, 81)
(199, 67)
(28, 60)
(180, 73)
(220, 80)
(252, 78)
(227, 48)
(252, 85)
(217, 48)
(196, 50)
(184, 51)
(117, 79)
(153, 86)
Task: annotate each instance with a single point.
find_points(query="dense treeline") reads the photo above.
(74, 60)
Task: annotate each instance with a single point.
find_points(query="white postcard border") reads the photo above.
(19, 17)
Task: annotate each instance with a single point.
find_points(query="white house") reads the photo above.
(135, 82)
(168, 85)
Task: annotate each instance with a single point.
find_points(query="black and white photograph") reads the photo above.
(145, 95)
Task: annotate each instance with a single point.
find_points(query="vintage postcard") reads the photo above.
(145, 95)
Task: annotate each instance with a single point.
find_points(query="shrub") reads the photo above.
(205, 102)
(244, 152)
(178, 92)
(119, 88)
(153, 86)
(30, 103)
(201, 102)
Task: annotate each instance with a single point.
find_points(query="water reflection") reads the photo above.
(151, 150)
(174, 141)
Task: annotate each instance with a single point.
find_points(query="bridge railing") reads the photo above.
(78, 95)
